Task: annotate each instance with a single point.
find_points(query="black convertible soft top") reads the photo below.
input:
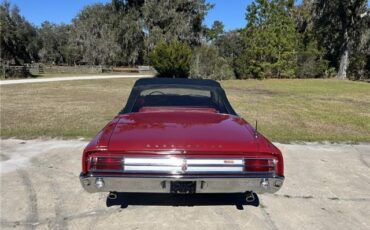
(176, 81)
(219, 97)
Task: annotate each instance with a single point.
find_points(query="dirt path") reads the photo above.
(326, 187)
(70, 78)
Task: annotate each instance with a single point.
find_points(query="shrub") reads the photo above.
(14, 72)
(359, 67)
(207, 63)
(311, 65)
(310, 58)
(171, 59)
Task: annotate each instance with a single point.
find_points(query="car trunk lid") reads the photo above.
(191, 130)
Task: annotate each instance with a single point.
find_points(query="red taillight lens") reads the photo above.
(259, 165)
(106, 164)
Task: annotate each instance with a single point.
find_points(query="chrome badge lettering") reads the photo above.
(184, 165)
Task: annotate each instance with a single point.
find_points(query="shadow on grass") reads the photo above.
(159, 199)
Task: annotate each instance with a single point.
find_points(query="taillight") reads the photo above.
(259, 165)
(105, 164)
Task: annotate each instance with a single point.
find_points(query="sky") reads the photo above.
(230, 12)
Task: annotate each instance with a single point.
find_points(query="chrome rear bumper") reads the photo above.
(161, 184)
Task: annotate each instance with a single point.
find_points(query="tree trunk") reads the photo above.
(343, 65)
(344, 59)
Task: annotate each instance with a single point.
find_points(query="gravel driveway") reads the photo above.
(327, 187)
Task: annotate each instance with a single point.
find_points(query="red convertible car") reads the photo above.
(180, 136)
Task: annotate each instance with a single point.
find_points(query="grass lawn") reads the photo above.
(286, 110)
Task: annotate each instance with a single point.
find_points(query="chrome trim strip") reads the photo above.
(177, 169)
(224, 168)
(184, 176)
(106, 170)
(161, 184)
(182, 165)
(200, 165)
(180, 173)
(179, 160)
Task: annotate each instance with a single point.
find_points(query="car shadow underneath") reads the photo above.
(161, 199)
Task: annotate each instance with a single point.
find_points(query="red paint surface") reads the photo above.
(191, 132)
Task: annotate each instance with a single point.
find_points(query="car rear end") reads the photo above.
(182, 172)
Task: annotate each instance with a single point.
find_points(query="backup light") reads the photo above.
(99, 183)
(265, 183)
(259, 165)
(106, 164)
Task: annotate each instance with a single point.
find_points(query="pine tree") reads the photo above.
(270, 40)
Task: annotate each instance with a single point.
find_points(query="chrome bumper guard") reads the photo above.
(161, 184)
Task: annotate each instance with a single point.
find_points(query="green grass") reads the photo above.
(286, 110)
(305, 110)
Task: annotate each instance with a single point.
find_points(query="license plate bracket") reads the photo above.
(183, 187)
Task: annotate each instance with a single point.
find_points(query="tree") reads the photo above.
(207, 63)
(122, 32)
(54, 40)
(310, 55)
(230, 46)
(359, 67)
(125, 31)
(174, 20)
(94, 36)
(128, 31)
(215, 31)
(171, 59)
(270, 41)
(338, 25)
(18, 37)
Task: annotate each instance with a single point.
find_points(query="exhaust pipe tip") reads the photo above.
(112, 196)
(249, 196)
